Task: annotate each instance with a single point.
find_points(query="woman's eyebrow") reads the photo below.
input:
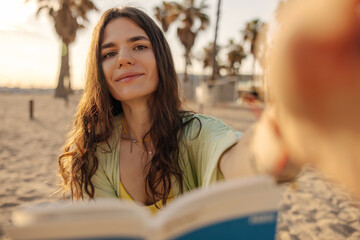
(107, 45)
(137, 38)
(130, 40)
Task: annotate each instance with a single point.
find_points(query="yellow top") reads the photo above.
(125, 195)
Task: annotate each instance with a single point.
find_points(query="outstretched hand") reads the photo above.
(314, 76)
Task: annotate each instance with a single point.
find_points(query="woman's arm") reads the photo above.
(260, 150)
(315, 86)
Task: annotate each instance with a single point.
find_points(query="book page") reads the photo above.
(239, 209)
(103, 219)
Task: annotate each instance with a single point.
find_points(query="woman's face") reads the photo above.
(128, 61)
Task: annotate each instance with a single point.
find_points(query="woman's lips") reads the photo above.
(126, 77)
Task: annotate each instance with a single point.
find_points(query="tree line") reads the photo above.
(70, 16)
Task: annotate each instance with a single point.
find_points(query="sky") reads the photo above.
(29, 46)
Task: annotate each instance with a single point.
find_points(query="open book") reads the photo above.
(239, 209)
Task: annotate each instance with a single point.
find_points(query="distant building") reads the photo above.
(224, 89)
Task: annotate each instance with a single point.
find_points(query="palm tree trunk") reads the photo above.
(215, 71)
(186, 69)
(61, 91)
(253, 70)
(70, 91)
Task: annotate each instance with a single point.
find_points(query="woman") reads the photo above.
(131, 138)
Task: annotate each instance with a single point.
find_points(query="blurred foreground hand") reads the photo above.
(314, 86)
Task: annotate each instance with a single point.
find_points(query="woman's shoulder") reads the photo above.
(198, 125)
(201, 117)
(107, 146)
(196, 119)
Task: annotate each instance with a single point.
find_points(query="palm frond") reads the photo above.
(88, 5)
(187, 15)
(40, 9)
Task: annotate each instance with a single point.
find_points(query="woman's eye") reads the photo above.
(140, 47)
(109, 54)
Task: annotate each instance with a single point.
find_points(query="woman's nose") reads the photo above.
(124, 58)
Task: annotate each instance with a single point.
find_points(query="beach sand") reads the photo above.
(312, 208)
(29, 149)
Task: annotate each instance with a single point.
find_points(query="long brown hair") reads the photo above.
(94, 121)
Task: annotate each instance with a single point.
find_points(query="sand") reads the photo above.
(29, 149)
(313, 208)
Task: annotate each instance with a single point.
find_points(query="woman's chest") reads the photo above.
(134, 164)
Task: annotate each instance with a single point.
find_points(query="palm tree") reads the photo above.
(250, 34)
(68, 16)
(215, 67)
(193, 20)
(208, 58)
(235, 55)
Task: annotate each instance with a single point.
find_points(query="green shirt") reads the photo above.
(199, 152)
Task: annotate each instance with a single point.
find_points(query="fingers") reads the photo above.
(256, 110)
(270, 153)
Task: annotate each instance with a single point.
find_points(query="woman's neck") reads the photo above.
(136, 119)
